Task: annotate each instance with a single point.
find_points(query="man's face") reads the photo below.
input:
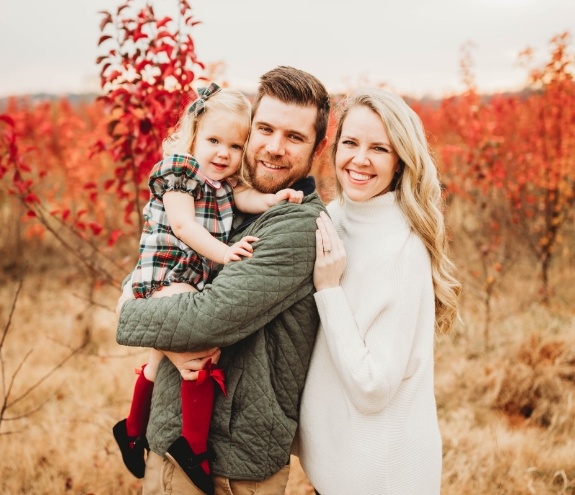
(280, 146)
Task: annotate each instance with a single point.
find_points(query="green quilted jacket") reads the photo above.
(262, 313)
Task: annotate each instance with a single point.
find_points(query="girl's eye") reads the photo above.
(237, 147)
(213, 140)
(347, 142)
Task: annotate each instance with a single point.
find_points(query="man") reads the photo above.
(260, 311)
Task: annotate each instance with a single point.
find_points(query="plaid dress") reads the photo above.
(164, 258)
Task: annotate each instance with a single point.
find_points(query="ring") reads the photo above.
(327, 250)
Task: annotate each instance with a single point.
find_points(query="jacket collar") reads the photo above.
(307, 185)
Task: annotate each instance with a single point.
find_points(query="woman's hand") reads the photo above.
(330, 259)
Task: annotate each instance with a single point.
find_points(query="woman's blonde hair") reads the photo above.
(417, 189)
(182, 139)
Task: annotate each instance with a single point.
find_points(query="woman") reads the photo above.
(385, 287)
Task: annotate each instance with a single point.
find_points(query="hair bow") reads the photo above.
(199, 105)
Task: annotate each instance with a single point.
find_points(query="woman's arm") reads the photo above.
(180, 211)
(248, 200)
(371, 355)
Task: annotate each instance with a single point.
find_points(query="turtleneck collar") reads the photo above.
(381, 209)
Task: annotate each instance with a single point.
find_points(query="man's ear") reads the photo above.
(320, 147)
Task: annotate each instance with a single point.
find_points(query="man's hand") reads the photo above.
(127, 294)
(189, 363)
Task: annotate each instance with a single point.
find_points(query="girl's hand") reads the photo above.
(127, 294)
(330, 259)
(241, 248)
(291, 195)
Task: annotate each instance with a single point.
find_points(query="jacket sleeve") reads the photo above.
(245, 295)
(372, 362)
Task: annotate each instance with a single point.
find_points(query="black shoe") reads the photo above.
(133, 449)
(183, 457)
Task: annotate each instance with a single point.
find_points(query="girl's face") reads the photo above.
(364, 161)
(219, 144)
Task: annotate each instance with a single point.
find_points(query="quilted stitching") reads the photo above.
(264, 317)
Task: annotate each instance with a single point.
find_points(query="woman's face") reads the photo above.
(364, 161)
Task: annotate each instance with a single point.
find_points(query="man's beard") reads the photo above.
(269, 183)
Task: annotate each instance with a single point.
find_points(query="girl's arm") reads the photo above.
(248, 200)
(180, 211)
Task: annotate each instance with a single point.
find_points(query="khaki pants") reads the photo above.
(162, 478)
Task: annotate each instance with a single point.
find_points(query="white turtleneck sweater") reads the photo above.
(368, 422)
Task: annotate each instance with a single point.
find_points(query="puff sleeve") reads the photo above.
(176, 173)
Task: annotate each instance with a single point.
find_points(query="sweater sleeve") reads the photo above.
(244, 296)
(373, 361)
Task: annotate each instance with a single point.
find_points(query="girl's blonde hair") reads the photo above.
(417, 189)
(181, 140)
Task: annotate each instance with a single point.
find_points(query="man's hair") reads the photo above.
(296, 87)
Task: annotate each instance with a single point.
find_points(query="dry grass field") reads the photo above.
(506, 406)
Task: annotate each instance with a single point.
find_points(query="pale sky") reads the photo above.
(413, 46)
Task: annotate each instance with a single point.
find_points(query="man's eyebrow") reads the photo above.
(261, 122)
(303, 135)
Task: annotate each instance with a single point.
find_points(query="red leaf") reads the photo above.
(104, 38)
(161, 23)
(105, 21)
(6, 118)
(141, 65)
(114, 237)
(31, 198)
(95, 228)
(139, 36)
(113, 75)
(31, 214)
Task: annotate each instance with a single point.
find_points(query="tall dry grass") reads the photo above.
(506, 410)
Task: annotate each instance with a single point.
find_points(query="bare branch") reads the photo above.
(6, 390)
(49, 374)
(7, 404)
(12, 309)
